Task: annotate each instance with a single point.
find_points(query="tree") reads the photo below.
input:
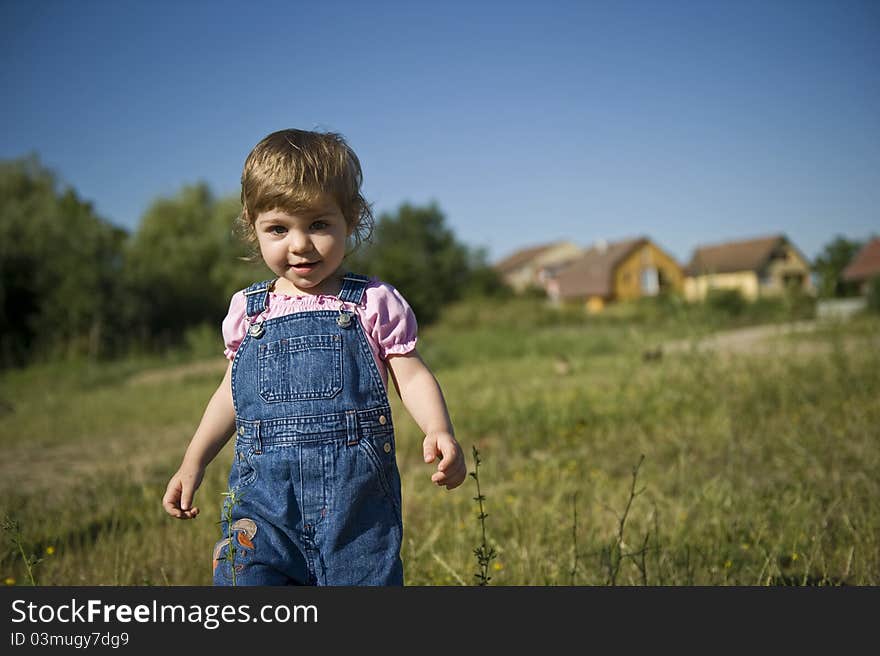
(183, 264)
(60, 266)
(836, 255)
(413, 250)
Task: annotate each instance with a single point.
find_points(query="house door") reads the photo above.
(792, 280)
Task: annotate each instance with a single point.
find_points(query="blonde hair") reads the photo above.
(291, 170)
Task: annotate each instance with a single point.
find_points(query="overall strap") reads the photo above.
(257, 296)
(353, 286)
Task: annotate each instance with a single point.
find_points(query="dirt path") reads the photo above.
(772, 339)
(55, 468)
(174, 374)
(740, 340)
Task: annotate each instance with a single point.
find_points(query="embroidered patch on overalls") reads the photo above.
(244, 529)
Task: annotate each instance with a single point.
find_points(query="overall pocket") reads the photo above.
(379, 449)
(244, 472)
(301, 368)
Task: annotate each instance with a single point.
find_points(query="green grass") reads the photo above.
(757, 469)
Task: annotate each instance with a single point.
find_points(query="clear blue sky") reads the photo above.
(689, 122)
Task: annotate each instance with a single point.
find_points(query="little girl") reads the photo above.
(314, 490)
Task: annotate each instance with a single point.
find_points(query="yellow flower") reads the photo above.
(497, 567)
(9, 580)
(728, 564)
(794, 556)
(745, 546)
(50, 550)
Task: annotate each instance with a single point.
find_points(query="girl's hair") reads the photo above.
(291, 170)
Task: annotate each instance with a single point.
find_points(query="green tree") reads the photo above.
(415, 251)
(60, 266)
(237, 265)
(829, 265)
(184, 263)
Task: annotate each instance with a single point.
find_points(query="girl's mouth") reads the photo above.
(304, 267)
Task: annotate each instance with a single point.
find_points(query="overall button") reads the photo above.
(387, 447)
(241, 430)
(382, 420)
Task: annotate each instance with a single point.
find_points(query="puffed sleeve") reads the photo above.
(390, 320)
(234, 325)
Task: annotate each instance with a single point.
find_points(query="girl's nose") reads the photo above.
(299, 242)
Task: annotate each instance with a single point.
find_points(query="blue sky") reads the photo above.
(527, 122)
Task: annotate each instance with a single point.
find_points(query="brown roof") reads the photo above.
(747, 255)
(865, 264)
(523, 256)
(592, 274)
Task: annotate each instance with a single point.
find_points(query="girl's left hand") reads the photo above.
(452, 469)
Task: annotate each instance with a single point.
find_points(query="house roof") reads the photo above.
(732, 256)
(865, 264)
(523, 256)
(592, 274)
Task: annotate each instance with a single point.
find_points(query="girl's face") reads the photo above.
(304, 250)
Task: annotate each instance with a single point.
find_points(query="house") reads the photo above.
(765, 266)
(864, 266)
(530, 267)
(621, 270)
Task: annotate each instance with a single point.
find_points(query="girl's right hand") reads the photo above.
(180, 491)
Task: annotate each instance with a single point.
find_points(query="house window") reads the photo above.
(650, 281)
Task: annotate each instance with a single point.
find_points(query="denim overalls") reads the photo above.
(315, 484)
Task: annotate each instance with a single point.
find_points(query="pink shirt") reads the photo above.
(386, 317)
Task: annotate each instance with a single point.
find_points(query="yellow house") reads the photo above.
(762, 267)
(617, 271)
(531, 267)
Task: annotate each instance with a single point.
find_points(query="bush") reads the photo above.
(203, 340)
(799, 304)
(662, 308)
(730, 302)
(873, 298)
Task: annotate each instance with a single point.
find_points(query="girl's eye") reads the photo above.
(277, 230)
(319, 225)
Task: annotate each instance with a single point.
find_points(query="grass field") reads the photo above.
(706, 465)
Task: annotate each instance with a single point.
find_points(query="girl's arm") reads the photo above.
(423, 398)
(215, 429)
